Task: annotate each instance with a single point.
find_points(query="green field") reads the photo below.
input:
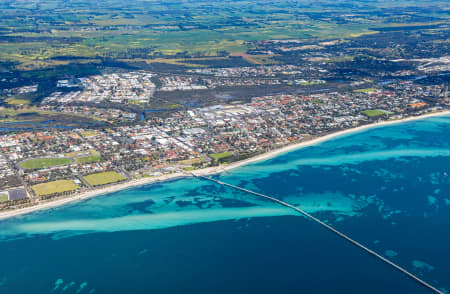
(104, 178)
(58, 33)
(375, 112)
(17, 101)
(54, 187)
(87, 134)
(44, 162)
(219, 156)
(88, 159)
(3, 197)
(367, 90)
(194, 161)
(27, 115)
(84, 153)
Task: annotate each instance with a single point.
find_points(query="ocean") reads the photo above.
(387, 187)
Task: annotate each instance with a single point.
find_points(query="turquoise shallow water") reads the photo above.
(387, 187)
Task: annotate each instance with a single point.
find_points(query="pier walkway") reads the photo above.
(342, 235)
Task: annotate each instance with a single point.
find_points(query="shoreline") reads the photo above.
(210, 170)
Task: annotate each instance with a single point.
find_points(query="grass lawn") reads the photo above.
(17, 101)
(87, 134)
(44, 162)
(104, 178)
(3, 197)
(317, 101)
(193, 161)
(88, 159)
(375, 112)
(54, 187)
(367, 90)
(219, 156)
(82, 153)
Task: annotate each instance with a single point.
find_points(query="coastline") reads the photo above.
(210, 170)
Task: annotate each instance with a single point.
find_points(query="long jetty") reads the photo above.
(340, 234)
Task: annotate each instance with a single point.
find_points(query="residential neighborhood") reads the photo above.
(56, 162)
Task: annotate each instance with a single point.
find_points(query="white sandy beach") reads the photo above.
(209, 170)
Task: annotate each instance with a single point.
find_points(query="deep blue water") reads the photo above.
(388, 187)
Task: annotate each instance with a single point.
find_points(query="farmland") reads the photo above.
(54, 33)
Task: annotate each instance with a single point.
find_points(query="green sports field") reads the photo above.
(367, 90)
(104, 178)
(54, 187)
(44, 162)
(3, 197)
(375, 112)
(88, 159)
(219, 156)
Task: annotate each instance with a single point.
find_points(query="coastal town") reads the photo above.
(43, 165)
(224, 146)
